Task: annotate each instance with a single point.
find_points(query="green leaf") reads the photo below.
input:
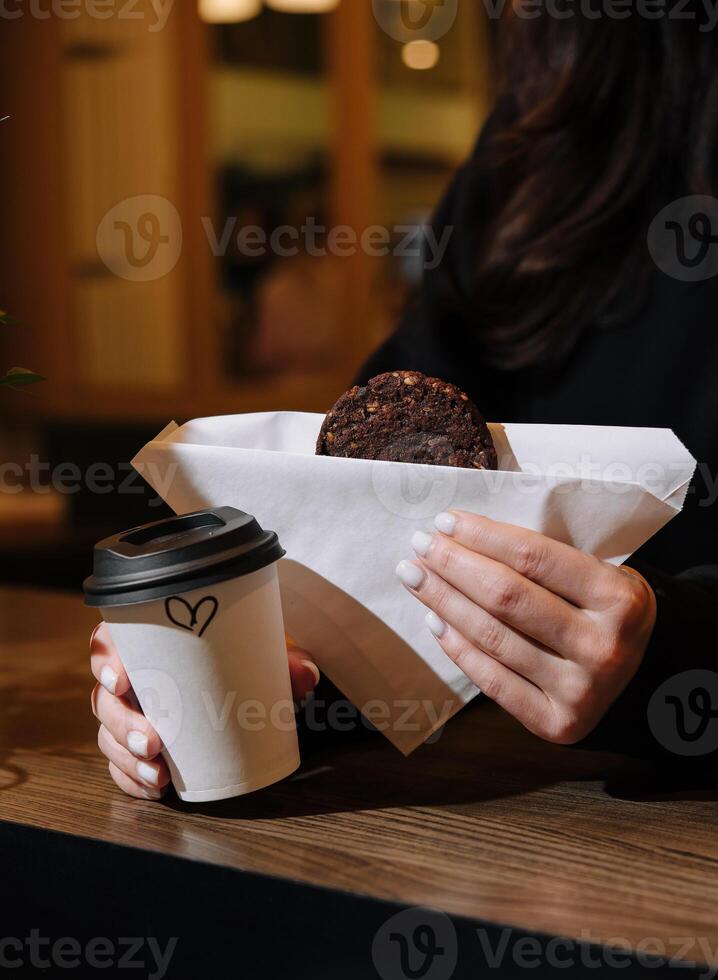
(20, 377)
(6, 318)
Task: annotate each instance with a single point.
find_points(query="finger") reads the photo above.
(127, 726)
(580, 578)
(513, 693)
(105, 662)
(508, 596)
(488, 634)
(303, 672)
(133, 788)
(154, 774)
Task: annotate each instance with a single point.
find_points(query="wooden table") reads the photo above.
(488, 825)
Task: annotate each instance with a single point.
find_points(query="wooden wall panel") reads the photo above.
(121, 142)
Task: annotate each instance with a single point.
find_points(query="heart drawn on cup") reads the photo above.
(188, 617)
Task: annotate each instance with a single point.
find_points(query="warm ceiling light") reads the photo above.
(303, 6)
(228, 11)
(420, 55)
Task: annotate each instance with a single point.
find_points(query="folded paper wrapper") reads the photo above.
(346, 523)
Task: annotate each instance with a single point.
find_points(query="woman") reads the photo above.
(548, 308)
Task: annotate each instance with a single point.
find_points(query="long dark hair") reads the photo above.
(601, 123)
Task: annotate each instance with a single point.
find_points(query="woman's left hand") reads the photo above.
(551, 634)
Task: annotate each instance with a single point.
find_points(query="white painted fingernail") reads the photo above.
(148, 774)
(421, 542)
(436, 625)
(137, 743)
(310, 665)
(410, 574)
(445, 522)
(108, 678)
(151, 794)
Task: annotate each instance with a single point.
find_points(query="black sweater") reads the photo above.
(659, 370)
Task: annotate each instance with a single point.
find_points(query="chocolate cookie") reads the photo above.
(409, 418)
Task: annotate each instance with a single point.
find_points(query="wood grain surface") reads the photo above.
(487, 822)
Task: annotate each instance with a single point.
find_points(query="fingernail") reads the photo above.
(151, 794)
(436, 625)
(310, 665)
(445, 522)
(421, 542)
(149, 774)
(137, 743)
(108, 678)
(410, 574)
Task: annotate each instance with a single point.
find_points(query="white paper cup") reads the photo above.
(209, 668)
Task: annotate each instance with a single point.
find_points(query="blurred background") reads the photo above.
(207, 207)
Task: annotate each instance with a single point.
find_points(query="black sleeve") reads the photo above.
(660, 715)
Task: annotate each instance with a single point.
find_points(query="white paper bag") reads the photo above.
(346, 523)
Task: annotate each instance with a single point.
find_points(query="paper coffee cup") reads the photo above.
(194, 609)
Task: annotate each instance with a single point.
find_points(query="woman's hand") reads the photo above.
(551, 634)
(130, 743)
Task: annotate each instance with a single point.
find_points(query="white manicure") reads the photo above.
(445, 522)
(137, 743)
(149, 774)
(436, 625)
(409, 574)
(421, 542)
(310, 665)
(108, 678)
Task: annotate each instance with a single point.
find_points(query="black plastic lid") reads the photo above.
(178, 554)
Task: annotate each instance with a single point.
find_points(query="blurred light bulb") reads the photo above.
(420, 55)
(303, 6)
(228, 11)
